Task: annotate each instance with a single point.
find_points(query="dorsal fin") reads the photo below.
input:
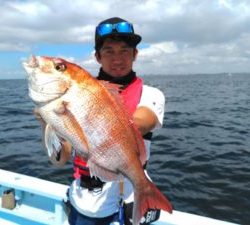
(111, 87)
(114, 90)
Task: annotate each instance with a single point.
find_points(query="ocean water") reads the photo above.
(200, 159)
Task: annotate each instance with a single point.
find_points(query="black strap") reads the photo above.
(148, 136)
(91, 183)
(85, 168)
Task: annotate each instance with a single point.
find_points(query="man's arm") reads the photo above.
(150, 111)
(145, 119)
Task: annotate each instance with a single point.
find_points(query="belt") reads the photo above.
(91, 183)
(148, 136)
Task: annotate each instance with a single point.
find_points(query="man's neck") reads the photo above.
(125, 80)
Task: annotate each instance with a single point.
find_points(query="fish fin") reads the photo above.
(104, 174)
(52, 141)
(141, 148)
(149, 197)
(111, 87)
(61, 107)
(114, 90)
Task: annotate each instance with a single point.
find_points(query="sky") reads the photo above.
(178, 36)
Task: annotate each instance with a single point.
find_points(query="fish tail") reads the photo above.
(149, 197)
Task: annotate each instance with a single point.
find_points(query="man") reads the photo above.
(93, 201)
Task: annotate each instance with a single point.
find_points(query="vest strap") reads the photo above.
(148, 136)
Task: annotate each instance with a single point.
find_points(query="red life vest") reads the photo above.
(131, 96)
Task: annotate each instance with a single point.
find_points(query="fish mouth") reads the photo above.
(33, 67)
(43, 89)
(31, 64)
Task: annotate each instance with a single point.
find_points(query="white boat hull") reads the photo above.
(38, 202)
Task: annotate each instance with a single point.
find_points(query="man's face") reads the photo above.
(116, 57)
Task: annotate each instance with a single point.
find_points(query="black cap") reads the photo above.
(131, 38)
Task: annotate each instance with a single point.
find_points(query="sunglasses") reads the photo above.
(107, 28)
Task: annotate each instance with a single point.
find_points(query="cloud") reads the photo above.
(179, 36)
(29, 22)
(231, 56)
(194, 22)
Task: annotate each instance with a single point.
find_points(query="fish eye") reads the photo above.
(60, 67)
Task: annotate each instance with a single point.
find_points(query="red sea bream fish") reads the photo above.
(88, 114)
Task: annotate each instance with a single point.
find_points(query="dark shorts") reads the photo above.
(76, 218)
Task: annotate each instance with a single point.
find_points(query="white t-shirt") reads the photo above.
(105, 203)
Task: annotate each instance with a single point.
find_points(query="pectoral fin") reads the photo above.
(52, 141)
(61, 107)
(104, 174)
